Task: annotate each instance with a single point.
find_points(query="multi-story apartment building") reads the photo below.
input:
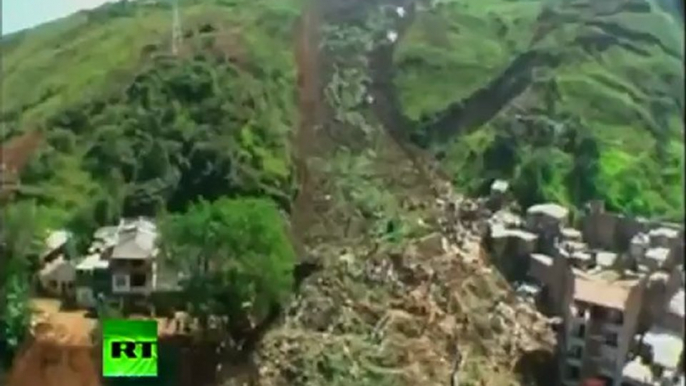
(599, 327)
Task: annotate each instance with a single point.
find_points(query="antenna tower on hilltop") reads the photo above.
(176, 28)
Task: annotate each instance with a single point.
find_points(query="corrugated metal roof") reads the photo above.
(136, 239)
(137, 244)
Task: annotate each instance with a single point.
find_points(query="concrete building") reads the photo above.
(600, 327)
(92, 278)
(510, 250)
(499, 195)
(663, 366)
(673, 318)
(132, 261)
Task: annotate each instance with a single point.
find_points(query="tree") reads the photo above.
(235, 258)
(20, 240)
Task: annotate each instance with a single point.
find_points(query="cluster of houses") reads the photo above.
(614, 283)
(121, 267)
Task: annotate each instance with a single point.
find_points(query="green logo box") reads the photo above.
(129, 348)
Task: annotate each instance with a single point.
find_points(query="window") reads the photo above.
(580, 309)
(53, 284)
(138, 280)
(121, 281)
(575, 352)
(573, 372)
(611, 339)
(598, 312)
(616, 317)
(579, 331)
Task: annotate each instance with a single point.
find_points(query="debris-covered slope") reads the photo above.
(395, 292)
(569, 100)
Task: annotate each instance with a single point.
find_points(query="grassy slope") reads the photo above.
(57, 64)
(95, 56)
(457, 48)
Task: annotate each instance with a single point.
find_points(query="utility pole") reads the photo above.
(176, 28)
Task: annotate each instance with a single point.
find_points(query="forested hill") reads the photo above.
(570, 100)
(129, 128)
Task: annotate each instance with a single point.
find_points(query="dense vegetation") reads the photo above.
(213, 121)
(20, 243)
(236, 259)
(131, 130)
(567, 100)
(591, 97)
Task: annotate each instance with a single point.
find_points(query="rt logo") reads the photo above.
(129, 348)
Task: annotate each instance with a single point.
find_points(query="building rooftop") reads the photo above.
(641, 239)
(664, 232)
(637, 371)
(499, 231)
(54, 266)
(658, 254)
(605, 259)
(553, 210)
(666, 346)
(135, 239)
(542, 259)
(500, 186)
(676, 303)
(106, 233)
(91, 262)
(571, 234)
(601, 292)
(56, 239)
(135, 244)
(583, 256)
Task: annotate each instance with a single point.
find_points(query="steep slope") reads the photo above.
(602, 82)
(392, 294)
(131, 129)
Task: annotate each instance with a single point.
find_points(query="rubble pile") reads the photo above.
(398, 315)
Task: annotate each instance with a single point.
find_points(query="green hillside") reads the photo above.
(131, 128)
(610, 107)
